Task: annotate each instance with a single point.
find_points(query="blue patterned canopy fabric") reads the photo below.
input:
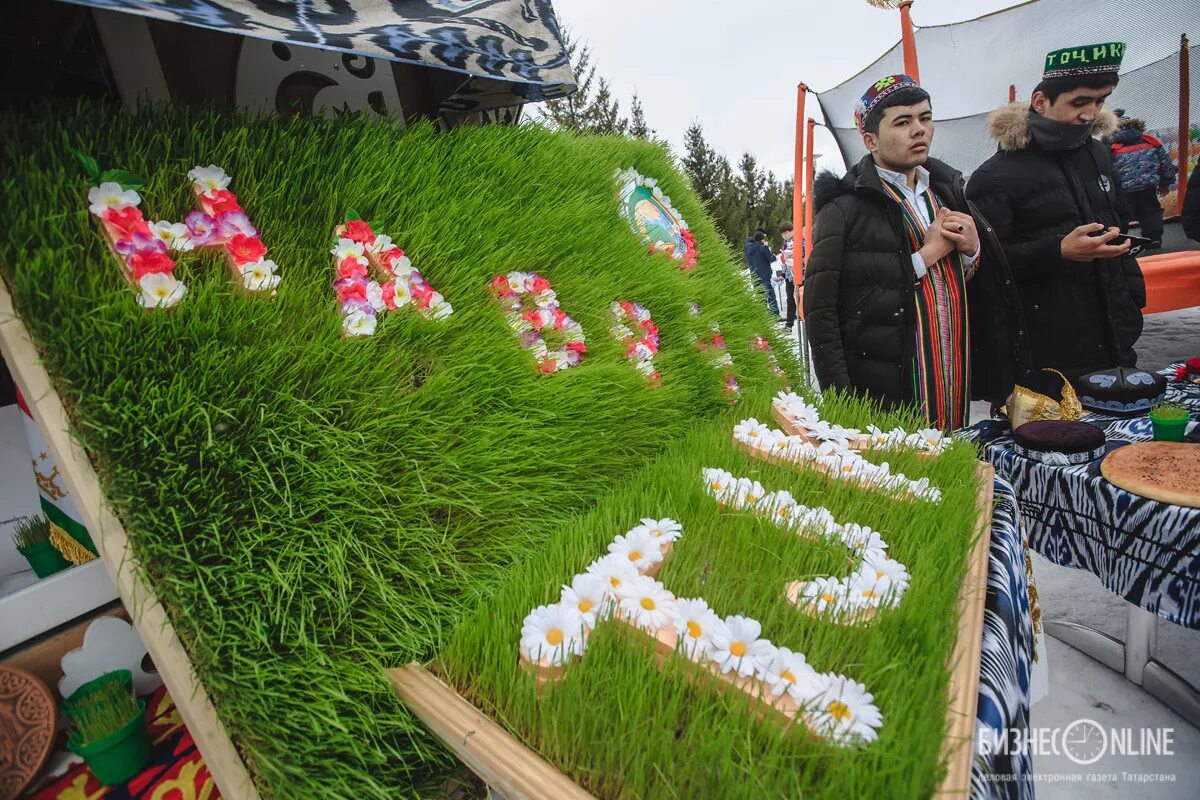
(511, 49)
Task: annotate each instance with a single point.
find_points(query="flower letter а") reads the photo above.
(145, 250)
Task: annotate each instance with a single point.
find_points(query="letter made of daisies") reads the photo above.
(876, 582)
(621, 588)
(373, 276)
(147, 250)
(531, 309)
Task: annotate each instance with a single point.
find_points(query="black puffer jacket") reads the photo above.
(1082, 316)
(859, 291)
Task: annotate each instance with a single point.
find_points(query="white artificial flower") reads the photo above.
(748, 494)
(638, 547)
(402, 267)
(348, 248)
(614, 569)
(587, 594)
(861, 538)
(645, 602)
(160, 290)
(797, 409)
(665, 528)
(260, 276)
(403, 294)
(695, 623)
(375, 296)
(110, 195)
(787, 671)
(357, 323)
(842, 711)
(380, 243)
(554, 633)
(824, 594)
(864, 590)
(885, 568)
(439, 308)
(782, 507)
(738, 647)
(719, 483)
(208, 179)
(749, 431)
(174, 234)
(931, 439)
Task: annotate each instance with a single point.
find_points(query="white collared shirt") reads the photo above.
(898, 180)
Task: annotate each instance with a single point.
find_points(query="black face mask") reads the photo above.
(1050, 134)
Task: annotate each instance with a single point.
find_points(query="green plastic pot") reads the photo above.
(119, 756)
(1169, 430)
(44, 558)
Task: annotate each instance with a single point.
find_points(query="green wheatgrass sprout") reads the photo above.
(1170, 411)
(31, 530)
(103, 708)
(312, 510)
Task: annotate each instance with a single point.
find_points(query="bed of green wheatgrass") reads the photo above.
(622, 728)
(311, 510)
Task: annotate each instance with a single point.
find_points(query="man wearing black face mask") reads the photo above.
(1050, 193)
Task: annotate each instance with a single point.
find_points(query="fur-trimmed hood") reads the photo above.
(1009, 125)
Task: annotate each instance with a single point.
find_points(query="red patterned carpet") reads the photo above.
(176, 770)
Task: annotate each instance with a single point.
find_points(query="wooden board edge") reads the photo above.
(148, 615)
(958, 745)
(493, 754)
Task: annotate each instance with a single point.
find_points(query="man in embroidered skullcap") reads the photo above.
(1050, 191)
(886, 287)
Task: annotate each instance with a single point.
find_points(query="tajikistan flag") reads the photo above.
(67, 533)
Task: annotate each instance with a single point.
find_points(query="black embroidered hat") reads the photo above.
(1121, 390)
(1092, 59)
(1059, 441)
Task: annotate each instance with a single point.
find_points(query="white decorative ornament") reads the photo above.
(109, 644)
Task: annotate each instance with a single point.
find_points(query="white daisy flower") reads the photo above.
(861, 538)
(588, 594)
(749, 493)
(720, 484)
(554, 632)
(843, 711)
(357, 323)
(695, 623)
(174, 234)
(665, 528)
(885, 568)
(932, 439)
(614, 569)
(646, 603)
(825, 595)
(110, 195)
(749, 431)
(208, 179)
(783, 509)
(639, 547)
(737, 646)
(160, 290)
(260, 276)
(787, 671)
(348, 248)
(864, 590)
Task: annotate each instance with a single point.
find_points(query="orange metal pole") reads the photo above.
(808, 190)
(909, 42)
(798, 185)
(1012, 93)
(1184, 113)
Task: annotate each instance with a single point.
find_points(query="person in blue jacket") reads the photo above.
(759, 258)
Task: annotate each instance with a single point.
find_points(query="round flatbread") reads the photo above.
(1165, 471)
(27, 719)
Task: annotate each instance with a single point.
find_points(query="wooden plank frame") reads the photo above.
(148, 615)
(518, 773)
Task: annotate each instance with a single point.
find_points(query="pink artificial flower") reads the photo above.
(394, 254)
(245, 249)
(139, 242)
(576, 347)
(350, 290)
(351, 267)
(201, 226)
(233, 222)
(149, 261)
(358, 231)
(126, 221)
(422, 292)
(500, 285)
(540, 284)
(220, 201)
(389, 295)
(560, 318)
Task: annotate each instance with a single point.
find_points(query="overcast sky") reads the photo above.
(734, 64)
